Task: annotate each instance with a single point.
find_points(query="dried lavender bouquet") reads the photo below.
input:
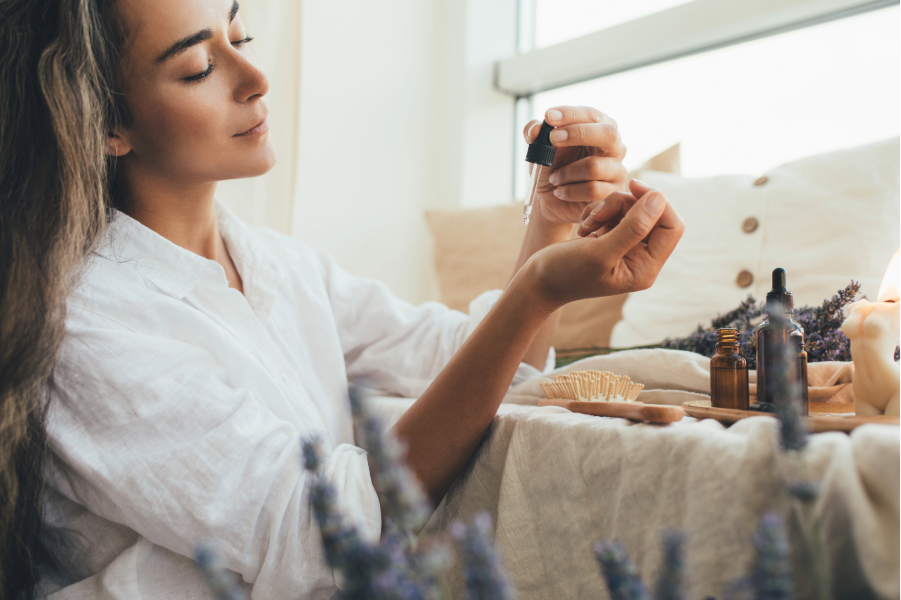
(822, 329)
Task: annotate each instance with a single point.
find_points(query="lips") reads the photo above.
(258, 129)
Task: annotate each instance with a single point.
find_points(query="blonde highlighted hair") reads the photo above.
(58, 62)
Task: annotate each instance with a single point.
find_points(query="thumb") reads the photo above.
(637, 223)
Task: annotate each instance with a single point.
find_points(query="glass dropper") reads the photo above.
(541, 155)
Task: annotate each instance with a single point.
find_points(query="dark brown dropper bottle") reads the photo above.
(772, 337)
(728, 372)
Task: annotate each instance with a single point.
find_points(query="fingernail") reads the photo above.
(554, 115)
(655, 203)
(640, 182)
(559, 136)
(558, 192)
(598, 208)
(529, 132)
(554, 179)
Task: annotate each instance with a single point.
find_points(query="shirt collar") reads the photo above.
(176, 271)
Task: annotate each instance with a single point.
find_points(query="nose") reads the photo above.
(251, 82)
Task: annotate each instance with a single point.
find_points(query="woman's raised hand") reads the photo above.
(625, 240)
(588, 166)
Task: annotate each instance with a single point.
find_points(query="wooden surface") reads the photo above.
(649, 413)
(818, 422)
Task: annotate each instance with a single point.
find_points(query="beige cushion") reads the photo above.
(476, 250)
(825, 219)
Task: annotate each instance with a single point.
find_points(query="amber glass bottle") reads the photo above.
(728, 372)
(772, 335)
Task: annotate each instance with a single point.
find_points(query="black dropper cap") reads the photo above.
(541, 151)
(779, 298)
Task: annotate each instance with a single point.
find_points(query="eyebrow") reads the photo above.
(194, 39)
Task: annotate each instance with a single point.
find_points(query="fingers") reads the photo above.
(590, 168)
(598, 135)
(568, 115)
(530, 131)
(637, 224)
(607, 212)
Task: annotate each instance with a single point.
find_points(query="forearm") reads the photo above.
(539, 236)
(443, 428)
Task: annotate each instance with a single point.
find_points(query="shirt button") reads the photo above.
(761, 180)
(750, 225)
(285, 377)
(744, 279)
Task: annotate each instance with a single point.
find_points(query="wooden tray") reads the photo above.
(818, 422)
(649, 413)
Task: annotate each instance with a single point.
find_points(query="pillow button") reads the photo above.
(750, 225)
(762, 180)
(745, 279)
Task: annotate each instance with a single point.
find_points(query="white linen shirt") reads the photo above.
(179, 405)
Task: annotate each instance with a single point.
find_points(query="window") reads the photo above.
(753, 106)
(742, 86)
(555, 21)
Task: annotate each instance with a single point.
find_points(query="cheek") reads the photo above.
(176, 125)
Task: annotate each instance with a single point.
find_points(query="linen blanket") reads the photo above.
(554, 482)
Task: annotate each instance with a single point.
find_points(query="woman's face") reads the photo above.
(194, 95)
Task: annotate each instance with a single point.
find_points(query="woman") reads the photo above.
(198, 352)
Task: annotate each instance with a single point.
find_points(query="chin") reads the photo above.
(258, 163)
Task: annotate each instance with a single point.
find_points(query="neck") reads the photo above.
(183, 213)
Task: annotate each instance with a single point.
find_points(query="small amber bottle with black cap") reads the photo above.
(773, 335)
(728, 372)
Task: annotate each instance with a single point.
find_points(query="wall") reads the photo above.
(398, 115)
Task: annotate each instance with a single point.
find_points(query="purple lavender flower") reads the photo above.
(403, 501)
(805, 491)
(482, 570)
(772, 575)
(222, 582)
(822, 328)
(670, 581)
(788, 395)
(623, 581)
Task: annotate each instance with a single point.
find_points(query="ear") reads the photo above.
(116, 145)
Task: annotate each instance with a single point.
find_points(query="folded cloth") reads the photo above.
(669, 376)
(827, 382)
(675, 376)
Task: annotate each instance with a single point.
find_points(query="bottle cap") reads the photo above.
(779, 298)
(541, 152)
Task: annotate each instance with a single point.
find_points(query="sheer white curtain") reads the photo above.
(268, 200)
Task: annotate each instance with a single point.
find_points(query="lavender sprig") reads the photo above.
(366, 570)
(482, 570)
(670, 581)
(822, 329)
(402, 498)
(772, 575)
(623, 581)
(222, 582)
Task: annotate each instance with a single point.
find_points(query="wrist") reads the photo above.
(529, 286)
(549, 232)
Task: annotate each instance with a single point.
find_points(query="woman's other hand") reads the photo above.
(624, 244)
(588, 165)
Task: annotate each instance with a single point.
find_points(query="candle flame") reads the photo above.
(890, 290)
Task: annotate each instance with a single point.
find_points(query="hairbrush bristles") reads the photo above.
(592, 386)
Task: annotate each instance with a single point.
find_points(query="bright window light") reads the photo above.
(754, 106)
(560, 20)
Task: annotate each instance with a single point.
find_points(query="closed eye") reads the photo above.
(240, 43)
(203, 75)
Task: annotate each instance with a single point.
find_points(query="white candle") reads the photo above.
(873, 328)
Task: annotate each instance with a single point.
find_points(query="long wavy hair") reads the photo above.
(58, 66)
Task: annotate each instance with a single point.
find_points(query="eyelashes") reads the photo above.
(212, 66)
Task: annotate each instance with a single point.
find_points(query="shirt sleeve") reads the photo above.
(395, 346)
(146, 432)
